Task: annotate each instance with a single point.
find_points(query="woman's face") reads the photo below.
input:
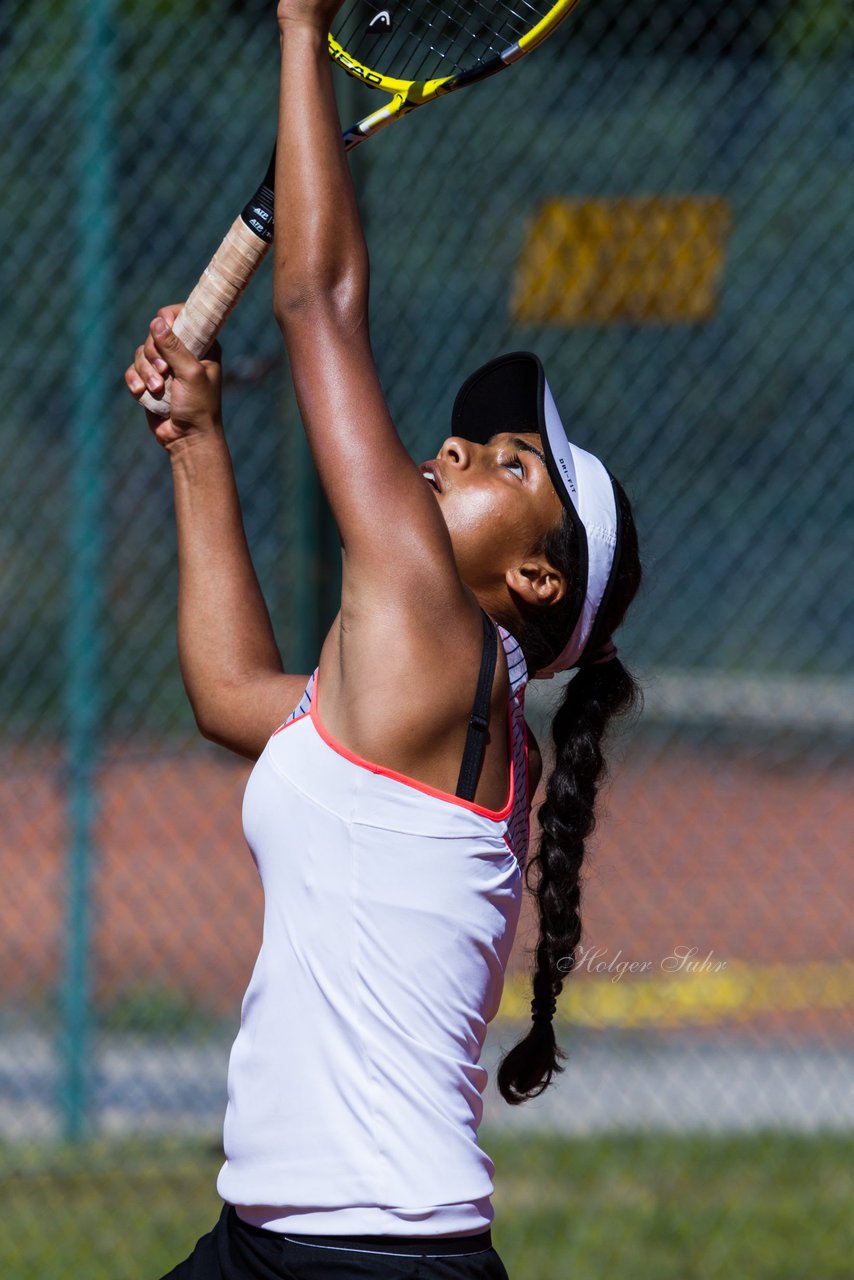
(497, 500)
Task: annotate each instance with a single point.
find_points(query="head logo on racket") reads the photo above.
(380, 24)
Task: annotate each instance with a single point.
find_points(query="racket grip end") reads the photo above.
(213, 299)
(161, 405)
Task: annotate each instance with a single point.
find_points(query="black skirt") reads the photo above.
(234, 1250)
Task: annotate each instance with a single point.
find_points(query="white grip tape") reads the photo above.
(213, 299)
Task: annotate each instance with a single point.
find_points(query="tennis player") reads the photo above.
(388, 809)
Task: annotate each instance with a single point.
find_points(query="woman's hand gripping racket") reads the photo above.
(415, 50)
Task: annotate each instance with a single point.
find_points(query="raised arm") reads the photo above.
(230, 664)
(321, 304)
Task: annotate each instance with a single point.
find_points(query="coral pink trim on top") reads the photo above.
(288, 723)
(497, 815)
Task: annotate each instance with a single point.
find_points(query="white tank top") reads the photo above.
(390, 908)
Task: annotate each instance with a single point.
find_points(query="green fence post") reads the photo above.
(92, 385)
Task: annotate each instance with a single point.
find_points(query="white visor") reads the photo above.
(510, 394)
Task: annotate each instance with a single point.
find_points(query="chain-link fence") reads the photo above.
(658, 203)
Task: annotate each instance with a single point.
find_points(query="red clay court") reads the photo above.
(693, 851)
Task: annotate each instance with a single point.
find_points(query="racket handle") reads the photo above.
(213, 299)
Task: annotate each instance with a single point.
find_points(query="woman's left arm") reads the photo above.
(321, 280)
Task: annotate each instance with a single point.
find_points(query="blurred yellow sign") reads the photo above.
(738, 992)
(625, 260)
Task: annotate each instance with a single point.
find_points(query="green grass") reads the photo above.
(652, 1207)
(637, 1207)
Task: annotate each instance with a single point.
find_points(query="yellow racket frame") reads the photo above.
(248, 239)
(406, 95)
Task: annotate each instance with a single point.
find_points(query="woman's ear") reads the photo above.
(537, 582)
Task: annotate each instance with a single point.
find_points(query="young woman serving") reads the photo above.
(388, 809)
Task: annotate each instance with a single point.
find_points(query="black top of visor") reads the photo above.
(503, 395)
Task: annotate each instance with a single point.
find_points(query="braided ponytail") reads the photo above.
(595, 695)
(567, 818)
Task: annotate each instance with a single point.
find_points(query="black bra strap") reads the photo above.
(479, 722)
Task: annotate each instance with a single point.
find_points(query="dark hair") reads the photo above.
(594, 696)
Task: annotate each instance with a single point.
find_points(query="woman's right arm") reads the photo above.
(230, 663)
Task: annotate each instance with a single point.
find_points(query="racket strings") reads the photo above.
(430, 39)
(429, 30)
(480, 41)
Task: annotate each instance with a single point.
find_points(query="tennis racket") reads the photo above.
(414, 50)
